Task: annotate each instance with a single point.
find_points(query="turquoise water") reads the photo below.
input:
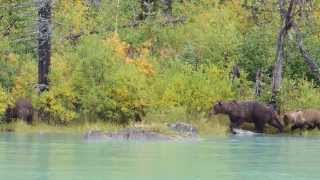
(56, 157)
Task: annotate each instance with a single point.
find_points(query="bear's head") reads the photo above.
(222, 107)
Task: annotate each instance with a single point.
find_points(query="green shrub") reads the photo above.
(8, 64)
(59, 104)
(195, 90)
(258, 52)
(107, 87)
(4, 102)
(299, 94)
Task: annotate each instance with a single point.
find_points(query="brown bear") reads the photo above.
(248, 111)
(22, 109)
(302, 119)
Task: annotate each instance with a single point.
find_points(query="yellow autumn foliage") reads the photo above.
(59, 101)
(75, 15)
(5, 100)
(122, 50)
(25, 81)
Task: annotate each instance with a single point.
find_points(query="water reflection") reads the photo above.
(56, 157)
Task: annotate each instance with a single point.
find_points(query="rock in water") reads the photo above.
(134, 134)
(94, 135)
(243, 132)
(184, 129)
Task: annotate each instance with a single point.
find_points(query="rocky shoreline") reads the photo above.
(180, 131)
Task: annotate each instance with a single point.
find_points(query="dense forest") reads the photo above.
(127, 60)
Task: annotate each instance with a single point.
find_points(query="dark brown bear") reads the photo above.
(248, 111)
(22, 110)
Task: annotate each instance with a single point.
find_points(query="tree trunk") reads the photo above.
(94, 3)
(258, 83)
(235, 72)
(286, 18)
(44, 44)
(278, 67)
(148, 8)
(167, 8)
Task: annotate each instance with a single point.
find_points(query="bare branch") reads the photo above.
(308, 59)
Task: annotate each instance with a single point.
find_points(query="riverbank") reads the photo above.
(204, 128)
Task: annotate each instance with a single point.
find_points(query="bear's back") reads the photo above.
(312, 115)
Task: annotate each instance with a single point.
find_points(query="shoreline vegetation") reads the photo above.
(205, 129)
(20, 127)
(107, 66)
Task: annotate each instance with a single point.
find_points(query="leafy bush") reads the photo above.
(25, 78)
(4, 102)
(108, 85)
(194, 90)
(59, 104)
(257, 52)
(8, 68)
(299, 94)
(56, 106)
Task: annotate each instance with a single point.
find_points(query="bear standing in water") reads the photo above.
(248, 111)
(309, 118)
(22, 110)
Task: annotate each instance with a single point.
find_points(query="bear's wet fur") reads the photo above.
(22, 109)
(248, 111)
(302, 119)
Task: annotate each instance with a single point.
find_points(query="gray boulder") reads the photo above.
(183, 129)
(134, 134)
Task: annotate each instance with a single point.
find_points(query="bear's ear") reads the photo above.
(219, 102)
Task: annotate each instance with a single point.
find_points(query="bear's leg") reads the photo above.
(297, 126)
(259, 127)
(237, 123)
(232, 126)
(276, 124)
(240, 121)
(30, 118)
(318, 125)
(234, 123)
(310, 126)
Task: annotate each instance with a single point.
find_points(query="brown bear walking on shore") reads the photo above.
(22, 109)
(248, 111)
(305, 119)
